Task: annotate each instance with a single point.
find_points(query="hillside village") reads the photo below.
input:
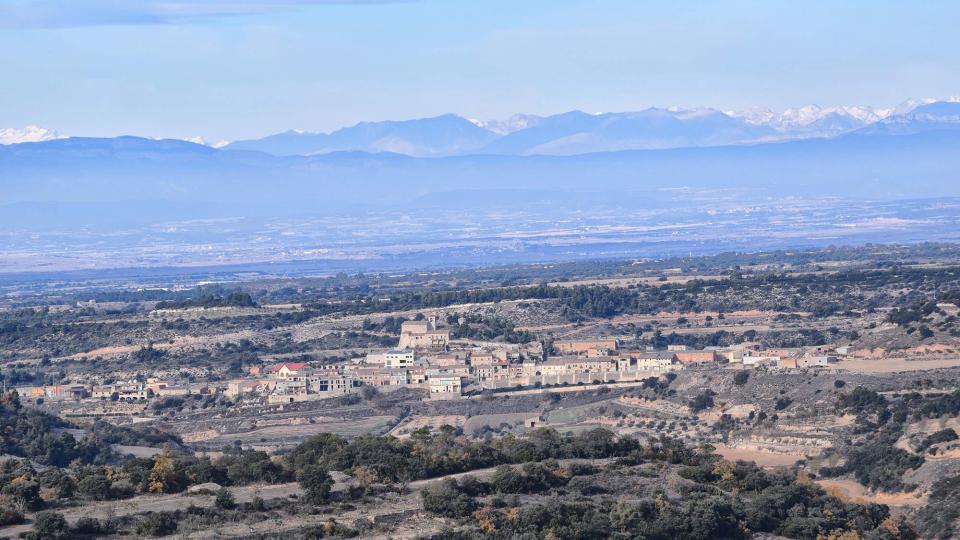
(426, 358)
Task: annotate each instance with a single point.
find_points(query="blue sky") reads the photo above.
(227, 70)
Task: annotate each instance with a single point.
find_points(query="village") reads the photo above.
(426, 358)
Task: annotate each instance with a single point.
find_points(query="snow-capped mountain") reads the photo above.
(27, 134)
(911, 104)
(813, 120)
(199, 139)
(516, 122)
(935, 116)
(578, 132)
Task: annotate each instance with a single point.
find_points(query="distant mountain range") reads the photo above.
(27, 134)
(578, 132)
(110, 181)
(427, 137)
(79, 181)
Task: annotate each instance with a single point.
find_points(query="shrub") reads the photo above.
(701, 402)
(90, 525)
(939, 517)
(782, 403)
(157, 524)
(316, 483)
(741, 377)
(943, 435)
(447, 500)
(49, 526)
(96, 487)
(10, 516)
(224, 499)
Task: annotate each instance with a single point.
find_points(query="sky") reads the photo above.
(225, 69)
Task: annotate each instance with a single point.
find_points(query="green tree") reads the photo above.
(316, 484)
(96, 487)
(49, 526)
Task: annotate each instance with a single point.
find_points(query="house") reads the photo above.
(102, 392)
(656, 361)
(561, 365)
(600, 364)
(820, 361)
(445, 359)
(172, 391)
(761, 360)
(493, 371)
(290, 370)
(459, 370)
(482, 359)
(332, 382)
(788, 363)
(423, 335)
(132, 391)
(695, 357)
(155, 385)
(417, 375)
(290, 387)
(243, 387)
(445, 387)
(383, 376)
(597, 346)
(398, 359)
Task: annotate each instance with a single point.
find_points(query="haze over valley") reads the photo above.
(633, 184)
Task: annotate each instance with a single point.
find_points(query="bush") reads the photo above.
(96, 487)
(49, 526)
(861, 399)
(741, 377)
(939, 517)
(90, 525)
(157, 524)
(447, 500)
(702, 402)
(782, 403)
(224, 499)
(943, 435)
(316, 484)
(10, 516)
(878, 465)
(24, 493)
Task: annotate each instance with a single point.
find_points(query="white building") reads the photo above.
(398, 359)
(445, 387)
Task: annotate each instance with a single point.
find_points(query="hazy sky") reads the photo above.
(226, 69)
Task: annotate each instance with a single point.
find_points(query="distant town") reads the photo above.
(426, 358)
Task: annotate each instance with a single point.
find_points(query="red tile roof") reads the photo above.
(292, 366)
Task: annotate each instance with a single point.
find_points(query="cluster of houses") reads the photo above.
(126, 391)
(426, 358)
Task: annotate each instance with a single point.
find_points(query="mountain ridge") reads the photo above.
(151, 175)
(578, 132)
